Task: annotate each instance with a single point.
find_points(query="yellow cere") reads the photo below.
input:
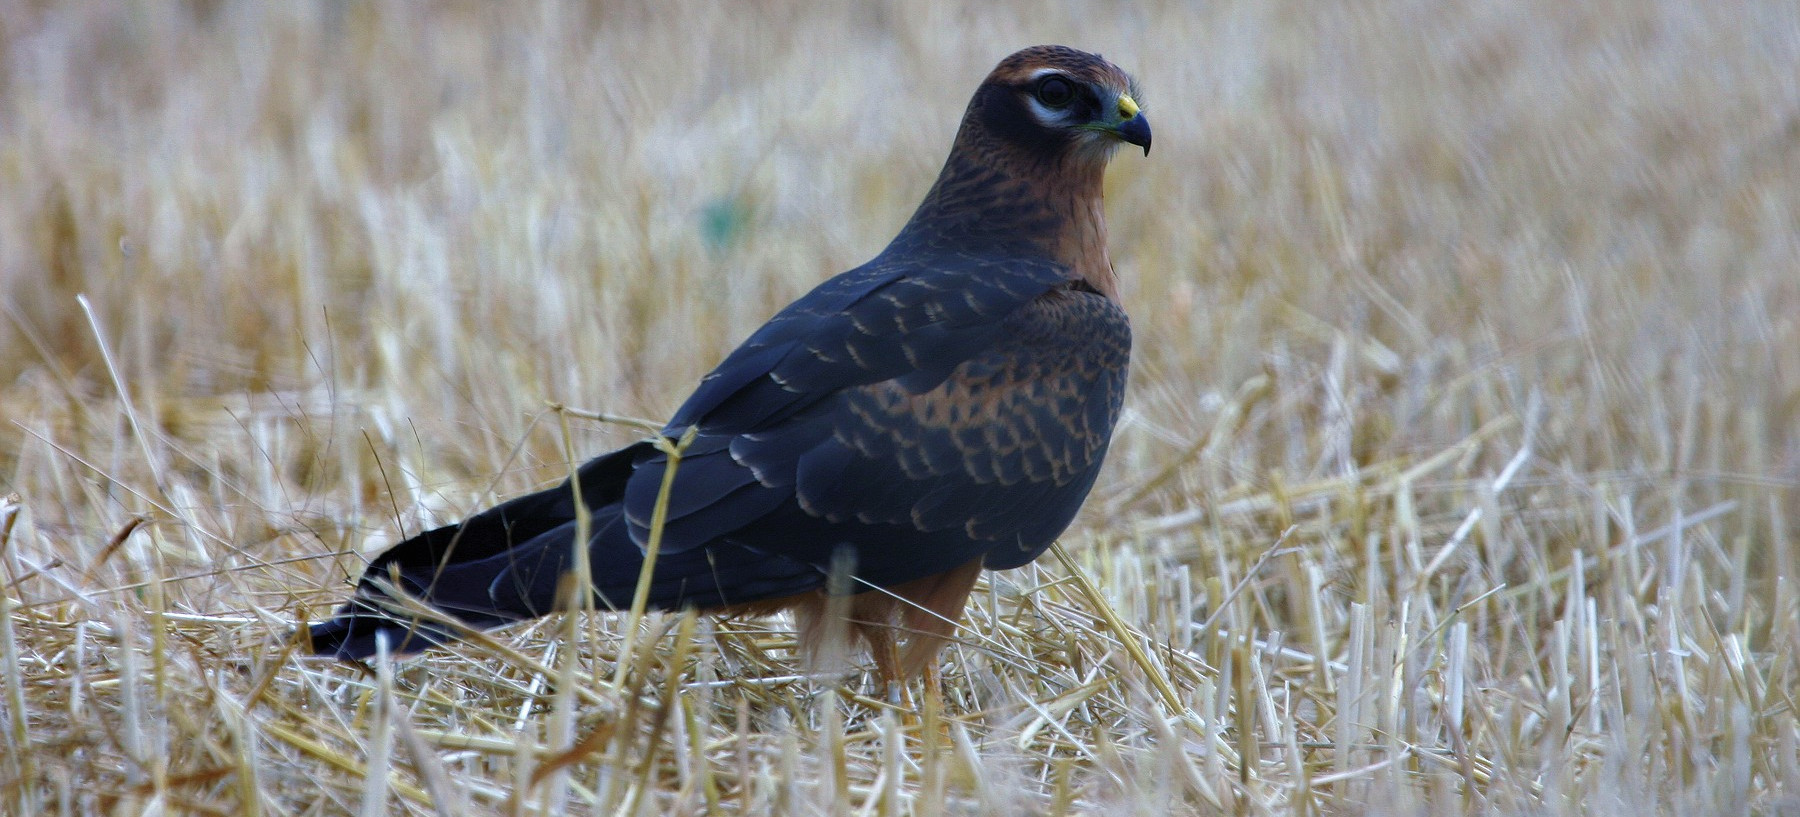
(1128, 107)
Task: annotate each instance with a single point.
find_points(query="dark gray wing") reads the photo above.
(989, 459)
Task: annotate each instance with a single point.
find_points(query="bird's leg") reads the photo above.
(934, 699)
(886, 652)
(875, 616)
(933, 606)
(934, 684)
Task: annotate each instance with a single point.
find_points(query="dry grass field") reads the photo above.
(1460, 471)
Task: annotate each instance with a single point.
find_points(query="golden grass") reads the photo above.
(1459, 473)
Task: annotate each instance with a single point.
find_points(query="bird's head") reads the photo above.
(1055, 103)
(1027, 168)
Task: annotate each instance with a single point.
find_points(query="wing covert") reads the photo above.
(1004, 449)
(903, 316)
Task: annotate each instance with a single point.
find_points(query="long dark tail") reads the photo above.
(498, 566)
(505, 564)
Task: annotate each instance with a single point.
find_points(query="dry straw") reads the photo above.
(1459, 473)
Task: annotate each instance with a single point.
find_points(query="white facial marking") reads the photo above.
(1045, 114)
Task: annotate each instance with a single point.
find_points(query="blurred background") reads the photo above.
(439, 216)
(1470, 292)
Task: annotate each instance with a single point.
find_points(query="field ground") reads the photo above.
(1461, 472)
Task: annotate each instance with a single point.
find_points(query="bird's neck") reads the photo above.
(983, 208)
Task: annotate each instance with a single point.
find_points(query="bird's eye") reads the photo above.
(1055, 92)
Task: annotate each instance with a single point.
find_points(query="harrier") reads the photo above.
(941, 409)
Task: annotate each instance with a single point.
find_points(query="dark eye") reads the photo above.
(1055, 92)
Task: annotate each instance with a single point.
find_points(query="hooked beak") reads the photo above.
(1132, 126)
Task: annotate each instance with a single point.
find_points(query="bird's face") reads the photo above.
(1057, 103)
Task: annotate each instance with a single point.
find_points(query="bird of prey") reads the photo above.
(941, 409)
